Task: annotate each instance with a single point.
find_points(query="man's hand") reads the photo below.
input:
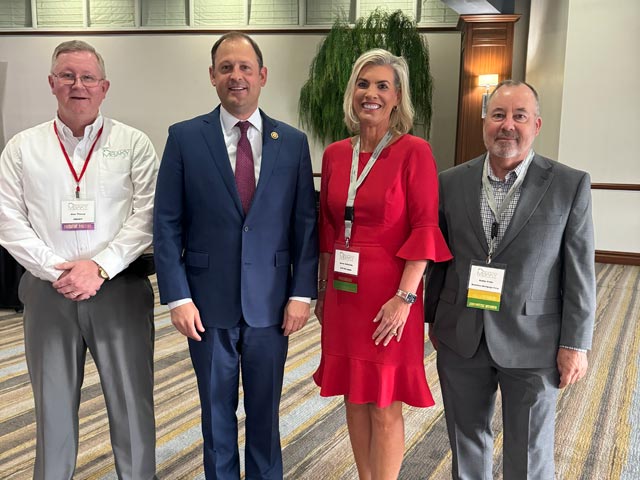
(186, 319)
(296, 314)
(572, 366)
(79, 281)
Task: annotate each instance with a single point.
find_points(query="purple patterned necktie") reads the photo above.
(245, 173)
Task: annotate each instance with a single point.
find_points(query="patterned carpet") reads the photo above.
(598, 433)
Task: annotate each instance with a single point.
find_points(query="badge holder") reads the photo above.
(346, 260)
(484, 290)
(78, 214)
(345, 269)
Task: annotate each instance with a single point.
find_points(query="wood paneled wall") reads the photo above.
(487, 47)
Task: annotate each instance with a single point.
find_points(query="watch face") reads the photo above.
(411, 298)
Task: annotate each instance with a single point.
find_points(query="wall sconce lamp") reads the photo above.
(487, 81)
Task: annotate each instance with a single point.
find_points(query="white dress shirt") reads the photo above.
(231, 135)
(35, 179)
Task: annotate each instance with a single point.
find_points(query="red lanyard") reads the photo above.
(86, 162)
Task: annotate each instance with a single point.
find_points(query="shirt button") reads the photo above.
(246, 229)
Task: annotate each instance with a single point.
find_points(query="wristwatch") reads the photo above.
(408, 297)
(103, 274)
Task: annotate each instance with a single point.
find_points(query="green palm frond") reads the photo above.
(320, 105)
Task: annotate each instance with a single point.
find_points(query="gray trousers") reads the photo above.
(529, 396)
(117, 327)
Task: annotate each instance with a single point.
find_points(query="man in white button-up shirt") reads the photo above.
(76, 203)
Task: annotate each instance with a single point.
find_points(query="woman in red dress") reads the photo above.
(378, 229)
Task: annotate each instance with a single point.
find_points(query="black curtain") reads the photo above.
(10, 273)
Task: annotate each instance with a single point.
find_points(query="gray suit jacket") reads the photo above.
(549, 289)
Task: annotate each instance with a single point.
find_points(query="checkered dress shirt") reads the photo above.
(500, 190)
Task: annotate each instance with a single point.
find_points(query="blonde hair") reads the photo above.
(77, 46)
(401, 119)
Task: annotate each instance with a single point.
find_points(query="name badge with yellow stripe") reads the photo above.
(485, 285)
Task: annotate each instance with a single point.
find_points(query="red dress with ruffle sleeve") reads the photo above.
(396, 219)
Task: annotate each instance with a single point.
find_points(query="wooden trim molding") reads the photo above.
(486, 18)
(616, 186)
(619, 258)
(602, 256)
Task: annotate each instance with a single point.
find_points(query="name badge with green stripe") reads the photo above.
(485, 285)
(345, 270)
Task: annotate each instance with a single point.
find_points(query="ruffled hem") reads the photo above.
(368, 382)
(425, 243)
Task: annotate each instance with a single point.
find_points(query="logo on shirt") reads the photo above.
(121, 152)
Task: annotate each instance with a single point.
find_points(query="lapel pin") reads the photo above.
(274, 135)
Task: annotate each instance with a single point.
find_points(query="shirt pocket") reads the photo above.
(115, 173)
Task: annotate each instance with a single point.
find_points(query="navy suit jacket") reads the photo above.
(205, 248)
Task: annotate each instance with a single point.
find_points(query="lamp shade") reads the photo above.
(488, 80)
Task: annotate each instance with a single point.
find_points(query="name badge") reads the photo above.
(345, 270)
(78, 214)
(485, 285)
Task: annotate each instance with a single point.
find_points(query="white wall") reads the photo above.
(584, 60)
(444, 53)
(545, 68)
(520, 39)
(157, 80)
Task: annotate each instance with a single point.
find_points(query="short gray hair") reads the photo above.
(77, 46)
(517, 83)
(401, 120)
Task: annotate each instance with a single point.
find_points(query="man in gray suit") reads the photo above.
(515, 307)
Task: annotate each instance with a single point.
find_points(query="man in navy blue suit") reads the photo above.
(236, 256)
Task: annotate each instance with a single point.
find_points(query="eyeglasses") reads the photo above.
(68, 78)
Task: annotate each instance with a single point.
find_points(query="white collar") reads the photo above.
(90, 131)
(521, 169)
(228, 121)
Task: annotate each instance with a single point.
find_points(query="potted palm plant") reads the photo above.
(320, 105)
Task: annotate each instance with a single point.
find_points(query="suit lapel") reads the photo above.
(212, 133)
(271, 141)
(472, 184)
(536, 183)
